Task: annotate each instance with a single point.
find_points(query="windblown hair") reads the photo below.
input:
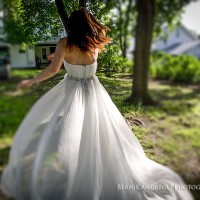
(85, 32)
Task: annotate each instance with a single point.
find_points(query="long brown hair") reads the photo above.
(85, 32)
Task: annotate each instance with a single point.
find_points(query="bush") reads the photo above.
(183, 68)
(110, 62)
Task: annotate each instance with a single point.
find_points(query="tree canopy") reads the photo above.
(28, 21)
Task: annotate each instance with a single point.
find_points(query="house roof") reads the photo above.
(183, 48)
(4, 44)
(173, 46)
(190, 33)
(46, 44)
(52, 41)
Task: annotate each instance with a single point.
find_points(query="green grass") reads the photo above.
(170, 134)
(15, 105)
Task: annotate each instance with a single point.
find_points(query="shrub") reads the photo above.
(183, 68)
(110, 62)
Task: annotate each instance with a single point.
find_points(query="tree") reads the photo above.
(124, 16)
(82, 3)
(146, 19)
(27, 21)
(62, 12)
(144, 33)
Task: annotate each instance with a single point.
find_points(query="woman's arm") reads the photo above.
(50, 71)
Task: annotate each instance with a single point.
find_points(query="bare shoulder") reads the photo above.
(63, 42)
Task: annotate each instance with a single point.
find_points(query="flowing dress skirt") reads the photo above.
(75, 144)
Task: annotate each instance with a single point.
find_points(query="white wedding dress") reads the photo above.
(74, 144)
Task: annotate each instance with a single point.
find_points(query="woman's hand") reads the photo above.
(51, 57)
(25, 84)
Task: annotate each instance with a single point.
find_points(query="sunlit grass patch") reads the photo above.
(168, 132)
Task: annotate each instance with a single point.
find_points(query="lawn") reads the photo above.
(168, 132)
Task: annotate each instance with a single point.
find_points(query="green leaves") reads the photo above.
(183, 68)
(168, 13)
(110, 61)
(30, 21)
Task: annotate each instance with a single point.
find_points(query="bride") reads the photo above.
(74, 143)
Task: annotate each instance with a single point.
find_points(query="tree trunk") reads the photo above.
(123, 24)
(128, 12)
(144, 34)
(62, 12)
(119, 7)
(82, 3)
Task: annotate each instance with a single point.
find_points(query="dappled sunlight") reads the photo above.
(176, 117)
(150, 68)
(171, 131)
(14, 93)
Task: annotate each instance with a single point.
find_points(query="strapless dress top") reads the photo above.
(80, 72)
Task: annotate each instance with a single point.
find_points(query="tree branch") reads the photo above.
(82, 3)
(62, 12)
(128, 11)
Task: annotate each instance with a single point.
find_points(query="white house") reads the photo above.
(20, 58)
(180, 41)
(44, 48)
(29, 57)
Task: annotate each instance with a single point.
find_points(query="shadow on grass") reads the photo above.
(176, 93)
(195, 192)
(174, 101)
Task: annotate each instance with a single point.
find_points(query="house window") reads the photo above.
(52, 49)
(44, 53)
